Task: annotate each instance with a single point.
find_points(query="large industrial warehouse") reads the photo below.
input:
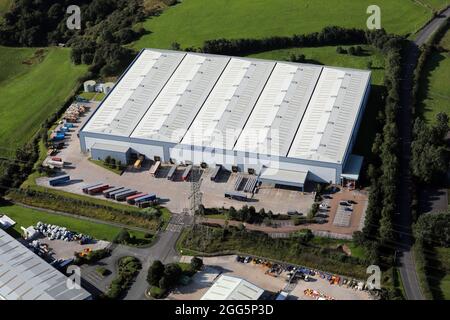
(286, 122)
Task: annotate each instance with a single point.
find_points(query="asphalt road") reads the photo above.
(404, 220)
(163, 250)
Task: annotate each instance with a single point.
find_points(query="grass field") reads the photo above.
(191, 22)
(26, 217)
(435, 86)
(33, 84)
(436, 5)
(443, 256)
(4, 6)
(328, 56)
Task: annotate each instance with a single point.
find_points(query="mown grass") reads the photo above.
(434, 93)
(26, 217)
(106, 167)
(328, 56)
(30, 93)
(191, 22)
(85, 206)
(94, 96)
(436, 5)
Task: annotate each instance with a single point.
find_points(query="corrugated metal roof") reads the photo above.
(227, 108)
(330, 117)
(278, 112)
(232, 288)
(131, 97)
(173, 111)
(250, 105)
(26, 276)
(285, 177)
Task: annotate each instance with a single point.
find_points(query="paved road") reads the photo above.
(163, 249)
(407, 266)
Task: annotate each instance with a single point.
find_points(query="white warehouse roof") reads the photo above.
(26, 276)
(232, 288)
(247, 105)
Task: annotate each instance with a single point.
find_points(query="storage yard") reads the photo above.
(274, 282)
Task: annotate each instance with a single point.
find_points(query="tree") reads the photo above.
(196, 263)
(172, 274)
(108, 160)
(123, 236)
(113, 163)
(155, 273)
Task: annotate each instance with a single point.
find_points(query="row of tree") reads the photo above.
(378, 233)
(327, 37)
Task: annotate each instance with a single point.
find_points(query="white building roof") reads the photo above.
(280, 108)
(232, 288)
(247, 105)
(288, 177)
(26, 276)
(326, 128)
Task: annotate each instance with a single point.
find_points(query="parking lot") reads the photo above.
(173, 194)
(256, 274)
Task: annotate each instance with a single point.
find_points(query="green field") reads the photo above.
(435, 85)
(26, 217)
(443, 256)
(192, 22)
(328, 56)
(32, 86)
(4, 6)
(436, 5)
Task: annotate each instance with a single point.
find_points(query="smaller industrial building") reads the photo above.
(232, 288)
(26, 276)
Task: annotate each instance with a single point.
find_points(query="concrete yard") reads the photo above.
(255, 274)
(65, 249)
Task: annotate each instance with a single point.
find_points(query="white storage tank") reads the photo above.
(89, 86)
(107, 87)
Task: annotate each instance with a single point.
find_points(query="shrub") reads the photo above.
(196, 263)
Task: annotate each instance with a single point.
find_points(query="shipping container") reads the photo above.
(85, 189)
(56, 164)
(113, 194)
(171, 173)
(107, 192)
(123, 195)
(236, 195)
(98, 189)
(147, 197)
(59, 180)
(131, 199)
(186, 172)
(154, 168)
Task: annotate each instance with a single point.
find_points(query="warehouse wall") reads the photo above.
(99, 154)
(319, 171)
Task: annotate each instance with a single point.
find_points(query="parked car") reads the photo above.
(348, 209)
(344, 203)
(247, 259)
